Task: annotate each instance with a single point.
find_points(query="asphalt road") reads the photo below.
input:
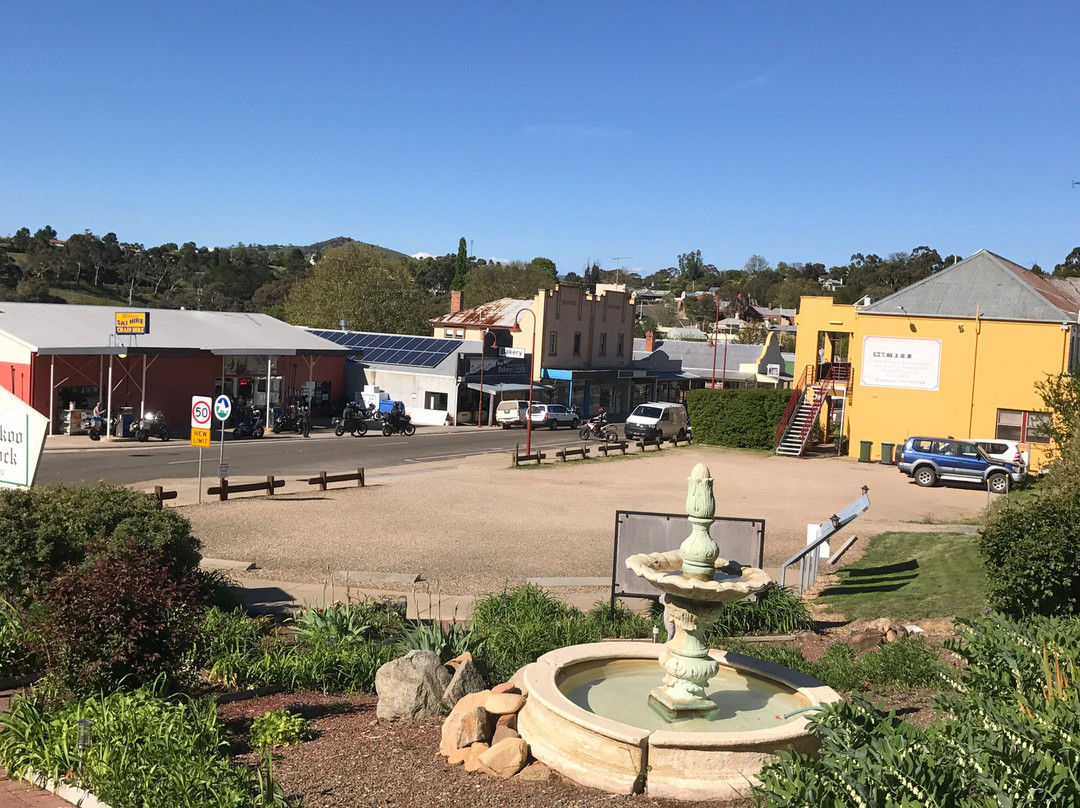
(78, 459)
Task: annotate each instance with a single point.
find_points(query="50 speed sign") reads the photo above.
(201, 410)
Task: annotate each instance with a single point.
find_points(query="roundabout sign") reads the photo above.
(222, 407)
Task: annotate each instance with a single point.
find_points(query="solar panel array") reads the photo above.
(393, 349)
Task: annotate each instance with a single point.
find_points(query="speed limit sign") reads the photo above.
(201, 410)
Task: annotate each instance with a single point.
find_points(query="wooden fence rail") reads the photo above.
(223, 489)
(323, 479)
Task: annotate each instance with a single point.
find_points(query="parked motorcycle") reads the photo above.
(291, 420)
(96, 425)
(351, 421)
(151, 425)
(597, 427)
(397, 423)
(250, 425)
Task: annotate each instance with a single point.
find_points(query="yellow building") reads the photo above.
(956, 354)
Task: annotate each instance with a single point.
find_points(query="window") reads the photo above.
(459, 333)
(577, 343)
(448, 332)
(603, 345)
(435, 401)
(553, 343)
(1023, 426)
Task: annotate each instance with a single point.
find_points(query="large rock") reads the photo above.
(505, 759)
(466, 679)
(411, 687)
(468, 723)
(504, 703)
(472, 756)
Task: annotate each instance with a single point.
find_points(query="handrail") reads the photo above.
(793, 402)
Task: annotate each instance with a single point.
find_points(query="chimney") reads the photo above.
(650, 342)
(455, 301)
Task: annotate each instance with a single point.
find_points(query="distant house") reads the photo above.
(831, 284)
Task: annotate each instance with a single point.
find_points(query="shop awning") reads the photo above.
(508, 387)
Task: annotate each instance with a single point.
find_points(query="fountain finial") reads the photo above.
(699, 551)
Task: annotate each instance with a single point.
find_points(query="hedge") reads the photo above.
(743, 419)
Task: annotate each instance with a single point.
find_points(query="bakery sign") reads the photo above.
(913, 364)
(132, 322)
(22, 437)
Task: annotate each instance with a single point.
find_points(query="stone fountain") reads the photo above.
(602, 715)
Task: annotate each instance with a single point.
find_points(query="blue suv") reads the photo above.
(929, 460)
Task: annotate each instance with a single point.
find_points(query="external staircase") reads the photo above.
(804, 407)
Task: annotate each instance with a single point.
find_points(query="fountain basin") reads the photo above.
(617, 742)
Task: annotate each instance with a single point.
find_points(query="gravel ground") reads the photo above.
(469, 527)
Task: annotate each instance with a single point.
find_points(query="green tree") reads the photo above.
(461, 267)
(545, 265)
(20, 242)
(691, 269)
(356, 282)
(1070, 267)
(1061, 395)
(751, 334)
(516, 279)
(754, 264)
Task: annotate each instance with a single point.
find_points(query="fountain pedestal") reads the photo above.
(685, 659)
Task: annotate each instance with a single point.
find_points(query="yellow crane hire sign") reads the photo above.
(132, 322)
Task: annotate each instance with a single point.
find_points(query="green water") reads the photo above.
(619, 690)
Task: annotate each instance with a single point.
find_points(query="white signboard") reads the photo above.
(914, 364)
(201, 407)
(22, 437)
(514, 353)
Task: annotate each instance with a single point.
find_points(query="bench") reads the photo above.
(581, 451)
(604, 448)
(223, 489)
(323, 479)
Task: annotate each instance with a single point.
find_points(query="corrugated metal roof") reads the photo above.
(693, 357)
(56, 328)
(999, 288)
(496, 314)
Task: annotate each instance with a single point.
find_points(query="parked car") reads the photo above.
(552, 416)
(657, 419)
(512, 412)
(929, 460)
(1009, 451)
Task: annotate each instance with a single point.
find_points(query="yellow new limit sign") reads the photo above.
(200, 437)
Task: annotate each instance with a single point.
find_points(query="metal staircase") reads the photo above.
(805, 404)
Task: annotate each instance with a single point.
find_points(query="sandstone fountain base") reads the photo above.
(645, 750)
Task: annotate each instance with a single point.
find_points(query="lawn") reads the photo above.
(910, 576)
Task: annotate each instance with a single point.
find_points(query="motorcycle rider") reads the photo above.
(305, 417)
(394, 416)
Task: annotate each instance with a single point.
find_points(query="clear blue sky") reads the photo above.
(579, 130)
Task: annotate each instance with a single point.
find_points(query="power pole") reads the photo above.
(617, 268)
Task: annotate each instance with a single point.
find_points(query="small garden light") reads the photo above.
(84, 728)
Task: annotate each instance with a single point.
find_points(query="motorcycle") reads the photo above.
(250, 425)
(96, 425)
(151, 425)
(597, 427)
(400, 424)
(352, 420)
(291, 420)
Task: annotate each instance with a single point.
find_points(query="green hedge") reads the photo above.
(743, 419)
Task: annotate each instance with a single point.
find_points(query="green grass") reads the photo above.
(909, 576)
(77, 297)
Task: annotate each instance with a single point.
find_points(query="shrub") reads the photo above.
(45, 529)
(777, 610)
(1032, 555)
(278, 728)
(121, 622)
(145, 750)
(745, 419)
(348, 622)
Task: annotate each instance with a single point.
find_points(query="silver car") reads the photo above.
(553, 416)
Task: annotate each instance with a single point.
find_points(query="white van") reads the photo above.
(512, 412)
(657, 419)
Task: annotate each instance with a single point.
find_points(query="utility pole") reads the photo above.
(617, 268)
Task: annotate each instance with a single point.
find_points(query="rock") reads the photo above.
(504, 703)
(881, 624)
(509, 720)
(535, 771)
(411, 687)
(505, 687)
(466, 679)
(472, 756)
(863, 641)
(457, 756)
(504, 759)
(468, 723)
(503, 731)
(465, 657)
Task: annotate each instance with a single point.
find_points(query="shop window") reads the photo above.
(1023, 426)
(448, 332)
(553, 343)
(603, 345)
(436, 401)
(577, 343)
(619, 345)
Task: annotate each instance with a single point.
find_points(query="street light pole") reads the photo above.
(715, 337)
(483, 346)
(532, 359)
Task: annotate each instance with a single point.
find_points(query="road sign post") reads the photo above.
(222, 408)
(200, 428)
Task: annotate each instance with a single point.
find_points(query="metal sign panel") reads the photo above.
(22, 437)
(200, 437)
(132, 322)
(741, 540)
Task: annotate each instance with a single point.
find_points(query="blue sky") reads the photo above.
(576, 131)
